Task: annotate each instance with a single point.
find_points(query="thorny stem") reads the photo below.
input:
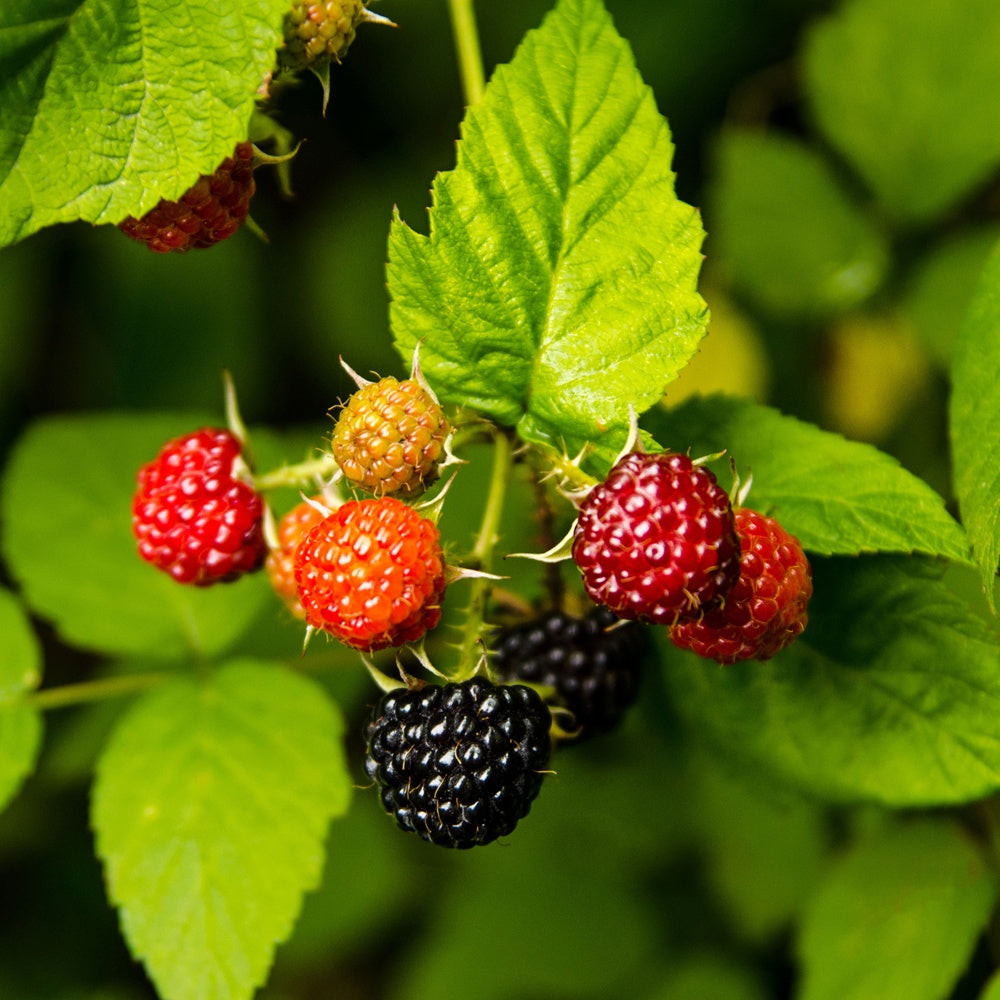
(552, 572)
(99, 690)
(481, 556)
(470, 58)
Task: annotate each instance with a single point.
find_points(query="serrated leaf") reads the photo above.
(210, 807)
(786, 231)
(897, 916)
(110, 105)
(975, 423)
(66, 507)
(891, 695)
(910, 94)
(20, 722)
(558, 283)
(838, 497)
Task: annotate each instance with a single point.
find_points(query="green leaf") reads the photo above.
(66, 507)
(558, 283)
(110, 105)
(909, 93)
(20, 672)
(897, 916)
(891, 694)
(838, 497)
(940, 290)
(211, 804)
(975, 423)
(785, 230)
(992, 989)
(761, 868)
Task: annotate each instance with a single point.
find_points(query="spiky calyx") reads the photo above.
(656, 541)
(390, 436)
(372, 574)
(458, 764)
(207, 213)
(766, 609)
(193, 517)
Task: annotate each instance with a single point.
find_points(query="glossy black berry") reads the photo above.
(594, 664)
(459, 764)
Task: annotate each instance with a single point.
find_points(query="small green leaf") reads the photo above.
(891, 694)
(66, 507)
(110, 105)
(897, 916)
(838, 497)
(20, 723)
(558, 283)
(211, 804)
(975, 423)
(908, 93)
(785, 230)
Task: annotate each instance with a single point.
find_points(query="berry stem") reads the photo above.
(67, 695)
(470, 58)
(481, 557)
(300, 475)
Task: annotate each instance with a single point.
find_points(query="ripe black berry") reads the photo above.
(459, 764)
(594, 668)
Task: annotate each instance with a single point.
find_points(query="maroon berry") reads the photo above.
(192, 517)
(766, 608)
(209, 212)
(656, 541)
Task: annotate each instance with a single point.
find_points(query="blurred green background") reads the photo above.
(646, 869)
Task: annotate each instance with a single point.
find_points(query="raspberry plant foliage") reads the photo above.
(65, 79)
(556, 287)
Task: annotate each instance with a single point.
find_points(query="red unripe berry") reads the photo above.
(280, 562)
(209, 212)
(372, 574)
(767, 606)
(193, 517)
(656, 541)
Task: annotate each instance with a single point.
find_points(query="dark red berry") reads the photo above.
(209, 212)
(193, 517)
(656, 541)
(458, 764)
(767, 606)
(593, 663)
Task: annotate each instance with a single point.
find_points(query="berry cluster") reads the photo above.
(460, 762)
(659, 541)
